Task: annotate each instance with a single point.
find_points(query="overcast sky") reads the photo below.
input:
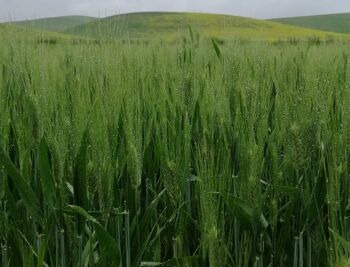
(29, 9)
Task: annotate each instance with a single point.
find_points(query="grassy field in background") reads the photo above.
(27, 36)
(194, 153)
(56, 24)
(332, 22)
(175, 26)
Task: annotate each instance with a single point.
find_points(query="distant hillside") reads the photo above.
(333, 22)
(171, 25)
(13, 33)
(55, 24)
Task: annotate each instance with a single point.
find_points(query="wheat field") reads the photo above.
(198, 153)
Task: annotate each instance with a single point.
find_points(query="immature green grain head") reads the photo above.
(34, 118)
(216, 258)
(170, 180)
(297, 146)
(134, 165)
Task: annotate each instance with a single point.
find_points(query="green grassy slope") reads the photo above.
(172, 25)
(333, 22)
(55, 24)
(14, 34)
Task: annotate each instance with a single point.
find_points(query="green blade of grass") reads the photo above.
(80, 180)
(47, 178)
(108, 246)
(216, 48)
(28, 196)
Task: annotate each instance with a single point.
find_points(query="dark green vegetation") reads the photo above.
(172, 26)
(194, 154)
(332, 23)
(56, 24)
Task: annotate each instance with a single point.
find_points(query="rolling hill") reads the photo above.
(333, 22)
(13, 33)
(174, 25)
(57, 24)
